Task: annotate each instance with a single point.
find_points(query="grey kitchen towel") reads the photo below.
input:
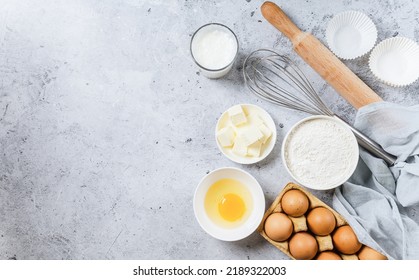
(374, 199)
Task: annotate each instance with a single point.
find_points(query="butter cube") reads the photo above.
(266, 132)
(254, 149)
(226, 136)
(237, 115)
(254, 119)
(239, 147)
(251, 135)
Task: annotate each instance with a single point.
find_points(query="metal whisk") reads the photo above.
(276, 78)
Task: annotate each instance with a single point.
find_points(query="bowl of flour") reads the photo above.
(320, 152)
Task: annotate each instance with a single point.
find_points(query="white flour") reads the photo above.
(320, 153)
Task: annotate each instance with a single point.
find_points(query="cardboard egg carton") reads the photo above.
(325, 243)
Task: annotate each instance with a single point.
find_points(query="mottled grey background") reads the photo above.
(106, 127)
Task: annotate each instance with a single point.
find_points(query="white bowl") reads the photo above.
(310, 158)
(395, 61)
(351, 34)
(267, 148)
(248, 226)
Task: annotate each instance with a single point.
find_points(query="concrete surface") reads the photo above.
(106, 125)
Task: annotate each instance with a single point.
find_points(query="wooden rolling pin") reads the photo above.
(340, 77)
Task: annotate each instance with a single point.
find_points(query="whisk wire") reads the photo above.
(296, 84)
(277, 79)
(267, 88)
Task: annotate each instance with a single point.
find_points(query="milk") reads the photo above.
(214, 48)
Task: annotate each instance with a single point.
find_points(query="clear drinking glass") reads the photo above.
(195, 47)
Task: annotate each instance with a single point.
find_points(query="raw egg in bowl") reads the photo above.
(229, 204)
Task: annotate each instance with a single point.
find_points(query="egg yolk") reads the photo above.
(228, 203)
(231, 207)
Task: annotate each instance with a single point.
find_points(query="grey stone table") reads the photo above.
(106, 125)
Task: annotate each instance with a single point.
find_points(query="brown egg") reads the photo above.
(303, 246)
(328, 255)
(278, 227)
(367, 253)
(346, 241)
(321, 221)
(294, 203)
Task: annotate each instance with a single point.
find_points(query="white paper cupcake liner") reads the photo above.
(351, 34)
(395, 61)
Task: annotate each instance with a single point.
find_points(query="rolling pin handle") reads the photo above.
(280, 20)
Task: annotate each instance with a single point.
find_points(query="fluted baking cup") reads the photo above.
(351, 34)
(395, 61)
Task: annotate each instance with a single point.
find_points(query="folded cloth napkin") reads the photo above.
(374, 198)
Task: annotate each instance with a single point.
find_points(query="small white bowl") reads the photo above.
(395, 61)
(255, 217)
(224, 120)
(351, 34)
(338, 181)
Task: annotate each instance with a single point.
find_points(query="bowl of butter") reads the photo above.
(245, 133)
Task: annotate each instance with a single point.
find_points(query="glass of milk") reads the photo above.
(214, 48)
